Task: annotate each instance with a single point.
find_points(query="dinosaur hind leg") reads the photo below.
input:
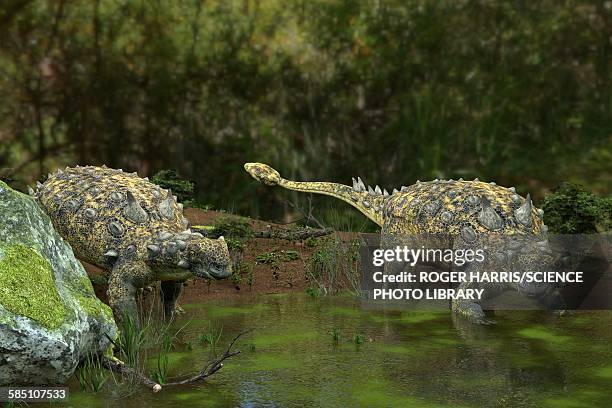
(170, 292)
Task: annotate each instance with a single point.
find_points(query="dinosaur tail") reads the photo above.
(369, 201)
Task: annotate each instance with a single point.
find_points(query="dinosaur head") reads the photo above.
(203, 257)
(209, 258)
(263, 173)
(535, 256)
(523, 253)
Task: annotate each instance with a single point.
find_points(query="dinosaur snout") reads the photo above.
(213, 271)
(263, 173)
(220, 271)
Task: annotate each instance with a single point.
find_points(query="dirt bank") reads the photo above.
(280, 268)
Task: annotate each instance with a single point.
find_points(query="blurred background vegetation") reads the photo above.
(519, 92)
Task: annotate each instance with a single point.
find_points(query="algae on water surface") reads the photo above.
(409, 358)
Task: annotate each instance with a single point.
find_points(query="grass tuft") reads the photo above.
(91, 374)
(334, 266)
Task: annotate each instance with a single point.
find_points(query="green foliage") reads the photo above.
(571, 209)
(335, 335)
(267, 258)
(131, 341)
(392, 91)
(359, 338)
(234, 244)
(232, 227)
(339, 218)
(313, 292)
(161, 374)
(274, 257)
(212, 336)
(237, 277)
(311, 242)
(91, 374)
(242, 271)
(153, 338)
(169, 179)
(250, 277)
(335, 265)
(290, 255)
(605, 205)
(235, 230)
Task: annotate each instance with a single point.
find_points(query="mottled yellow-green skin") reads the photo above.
(131, 227)
(92, 188)
(446, 213)
(433, 207)
(405, 212)
(27, 286)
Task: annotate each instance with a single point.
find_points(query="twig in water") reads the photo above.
(209, 369)
(213, 366)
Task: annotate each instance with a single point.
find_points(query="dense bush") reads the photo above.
(571, 209)
(182, 189)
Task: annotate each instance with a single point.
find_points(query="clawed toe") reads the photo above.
(485, 322)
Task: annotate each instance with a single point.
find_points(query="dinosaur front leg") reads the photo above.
(471, 309)
(124, 281)
(170, 293)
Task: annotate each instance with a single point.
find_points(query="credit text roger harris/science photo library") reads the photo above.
(459, 258)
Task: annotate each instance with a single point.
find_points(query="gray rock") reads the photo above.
(50, 317)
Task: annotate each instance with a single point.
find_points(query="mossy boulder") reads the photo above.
(50, 317)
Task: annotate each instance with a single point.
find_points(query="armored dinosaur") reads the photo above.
(472, 213)
(133, 228)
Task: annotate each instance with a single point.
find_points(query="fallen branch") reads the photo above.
(126, 371)
(289, 235)
(209, 369)
(213, 366)
(297, 235)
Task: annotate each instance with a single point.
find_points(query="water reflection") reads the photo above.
(410, 358)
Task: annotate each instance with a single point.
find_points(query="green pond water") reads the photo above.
(406, 359)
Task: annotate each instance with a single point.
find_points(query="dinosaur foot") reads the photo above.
(472, 312)
(563, 313)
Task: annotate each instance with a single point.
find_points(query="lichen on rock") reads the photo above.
(49, 316)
